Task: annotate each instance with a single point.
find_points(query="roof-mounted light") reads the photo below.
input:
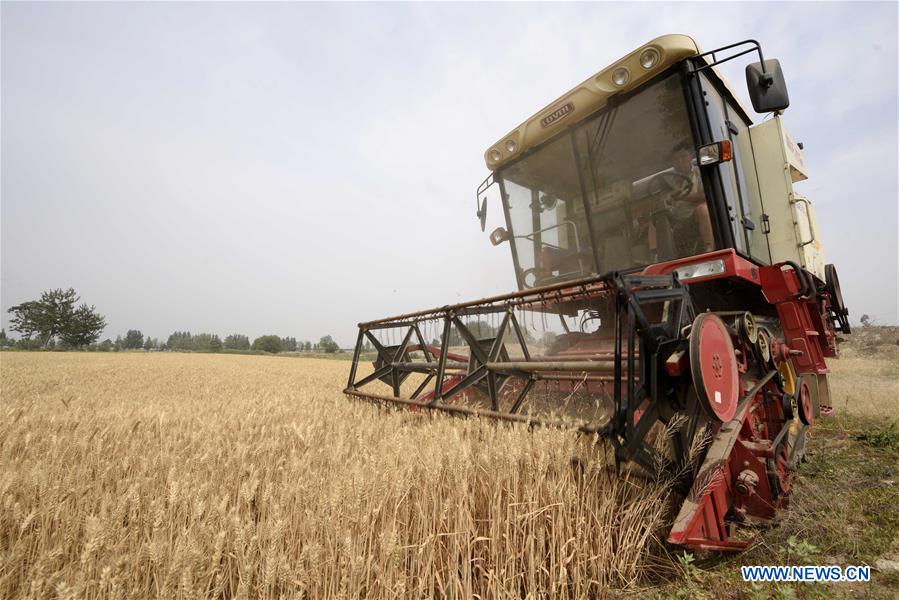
(649, 58)
(511, 146)
(620, 76)
(495, 155)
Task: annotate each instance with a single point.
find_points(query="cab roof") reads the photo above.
(623, 75)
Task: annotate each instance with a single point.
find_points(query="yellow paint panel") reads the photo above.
(779, 164)
(789, 377)
(588, 97)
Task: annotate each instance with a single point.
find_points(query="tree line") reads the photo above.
(54, 322)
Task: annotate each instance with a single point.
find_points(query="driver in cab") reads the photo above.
(689, 212)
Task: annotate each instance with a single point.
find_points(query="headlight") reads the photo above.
(511, 146)
(649, 58)
(495, 155)
(715, 153)
(620, 76)
(703, 269)
(498, 236)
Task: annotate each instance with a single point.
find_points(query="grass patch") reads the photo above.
(881, 438)
(844, 511)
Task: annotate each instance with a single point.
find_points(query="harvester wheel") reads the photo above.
(804, 401)
(763, 347)
(713, 364)
(832, 283)
(780, 470)
(788, 402)
(748, 327)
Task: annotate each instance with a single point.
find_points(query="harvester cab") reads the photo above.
(672, 293)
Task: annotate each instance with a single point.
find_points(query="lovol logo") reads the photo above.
(556, 115)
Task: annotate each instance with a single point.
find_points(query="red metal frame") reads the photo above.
(734, 483)
(807, 331)
(734, 266)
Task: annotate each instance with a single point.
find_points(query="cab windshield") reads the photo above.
(622, 188)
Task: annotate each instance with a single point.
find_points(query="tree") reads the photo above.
(237, 341)
(867, 321)
(289, 344)
(134, 339)
(84, 328)
(55, 316)
(40, 318)
(204, 342)
(200, 342)
(326, 344)
(119, 344)
(268, 343)
(105, 346)
(149, 343)
(179, 340)
(4, 341)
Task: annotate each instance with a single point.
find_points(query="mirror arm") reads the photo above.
(756, 48)
(481, 203)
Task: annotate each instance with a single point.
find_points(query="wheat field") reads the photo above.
(207, 476)
(194, 476)
(866, 384)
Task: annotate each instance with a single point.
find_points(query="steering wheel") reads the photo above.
(535, 275)
(678, 184)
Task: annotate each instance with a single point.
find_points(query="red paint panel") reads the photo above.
(734, 266)
(790, 317)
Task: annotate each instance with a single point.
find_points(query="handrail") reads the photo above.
(808, 217)
(805, 287)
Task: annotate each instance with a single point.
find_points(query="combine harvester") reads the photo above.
(673, 297)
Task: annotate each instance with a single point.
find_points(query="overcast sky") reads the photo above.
(298, 168)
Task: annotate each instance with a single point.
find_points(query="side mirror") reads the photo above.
(482, 213)
(767, 88)
(498, 236)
